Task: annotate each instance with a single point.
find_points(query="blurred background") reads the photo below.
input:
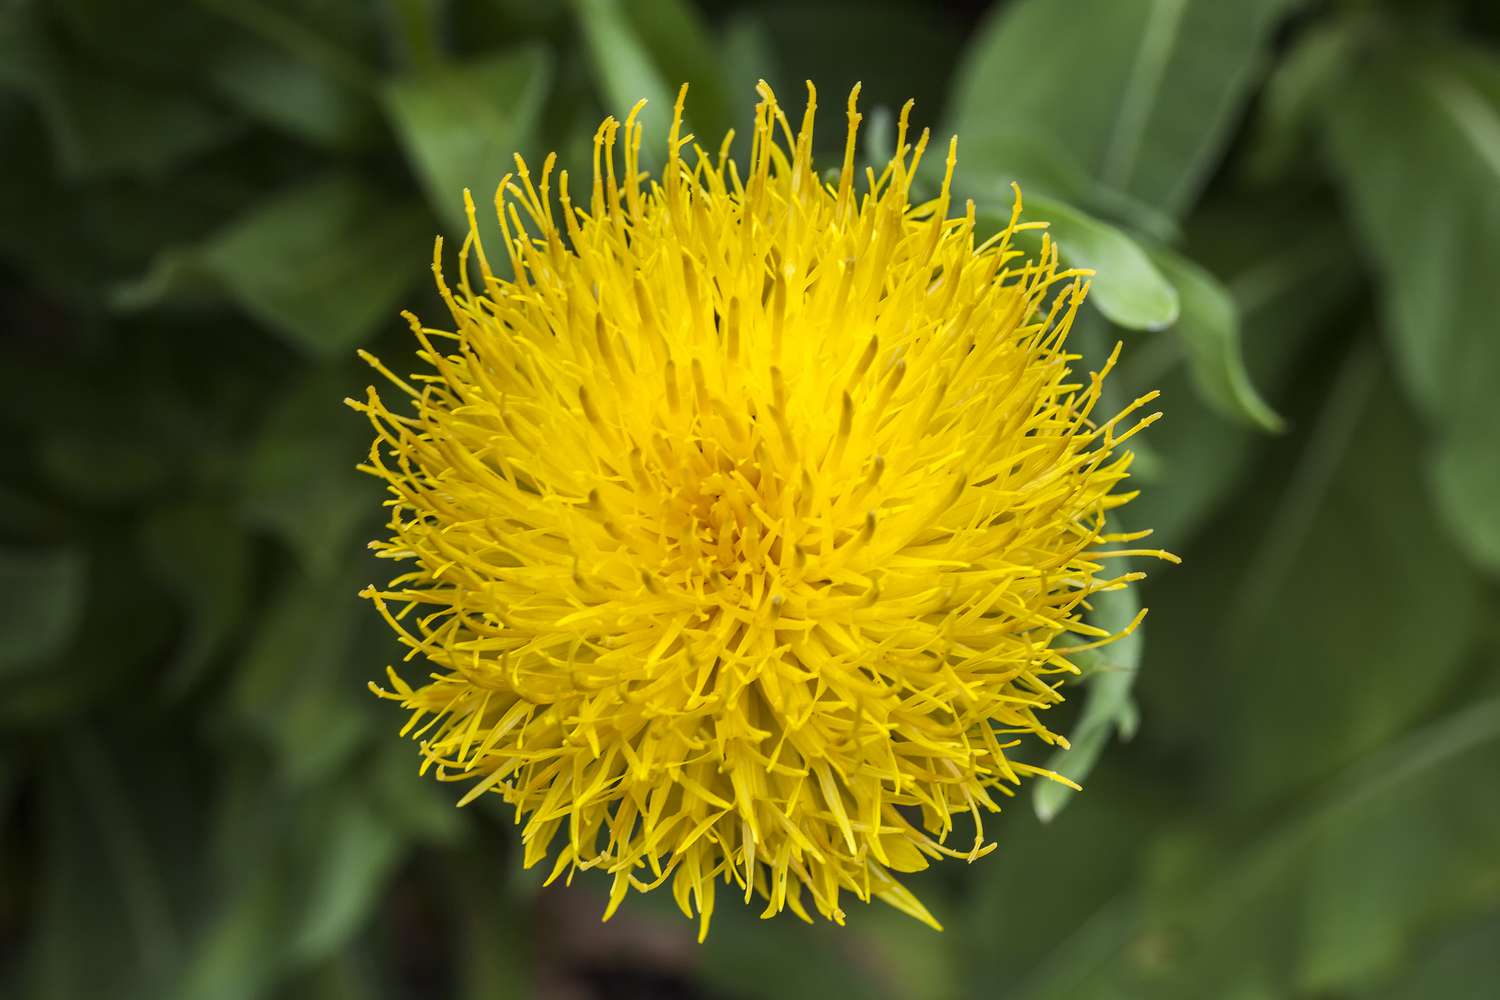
(1294, 211)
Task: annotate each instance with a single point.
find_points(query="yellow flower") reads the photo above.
(743, 523)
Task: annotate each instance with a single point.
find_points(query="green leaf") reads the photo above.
(1315, 66)
(202, 556)
(1285, 289)
(747, 956)
(315, 35)
(649, 48)
(103, 121)
(462, 125)
(749, 57)
(625, 70)
(989, 164)
(419, 809)
(1075, 873)
(74, 241)
(271, 66)
(896, 50)
(295, 96)
(1209, 328)
(496, 933)
(44, 591)
(1109, 709)
(1454, 964)
(118, 872)
(113, 636)
(301, 874)
(914, 966)
(1429, 129)
(415, 32)
(1142, 92)
(298, 689)
(1126, 286)
(322, 265)
(351, 850)
(26, 516)
(1466, 483)
(1343, 563)
(299, 476)
(348, 975)
(1364, 871)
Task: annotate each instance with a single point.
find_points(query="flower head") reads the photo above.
(747, 519)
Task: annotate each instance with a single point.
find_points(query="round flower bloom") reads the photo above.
(747, 519)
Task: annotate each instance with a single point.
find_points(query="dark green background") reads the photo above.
(206, 206)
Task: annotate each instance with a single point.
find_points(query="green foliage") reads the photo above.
(1292, 212)
(1108, 708)
(1439, 305)
(1126, 287)
(1142, 93)
(321, 265)
(462, 125)
(46, 588)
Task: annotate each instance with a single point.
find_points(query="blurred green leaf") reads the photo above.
(295, 80)
(989, 164)
(1209, 327)
(1126, 287)
(44, 591)
(462, 125)
(292, 95)
(1429, 129)
(415, 30)
(25, 516)
(1255, 922)
(649, 48)
(316, 34)
(349, 852)
(304, 875)
(1375, 880)
(749, 57)
(1315, 66)
(419, 809)
(1286, 289)
(345, 976)
(626, 71)
(911, 965)
(201, 554)
(322, 264)
(73, 241)
(299, 476)
(1466, 483)
(102, 121)
(298, 690)
(746, 956)
(1459, 963)
(100, 461)
(1142, 92)
(1108, 709)
(497, 935)
(1343, 563)
(1050, 892)
(132, 34)
(146, 415)
(119, 870)
(124, 623)
(897, 50)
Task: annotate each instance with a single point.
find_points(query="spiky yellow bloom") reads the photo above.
(747, 523)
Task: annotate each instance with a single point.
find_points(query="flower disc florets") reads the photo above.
(742, 521)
